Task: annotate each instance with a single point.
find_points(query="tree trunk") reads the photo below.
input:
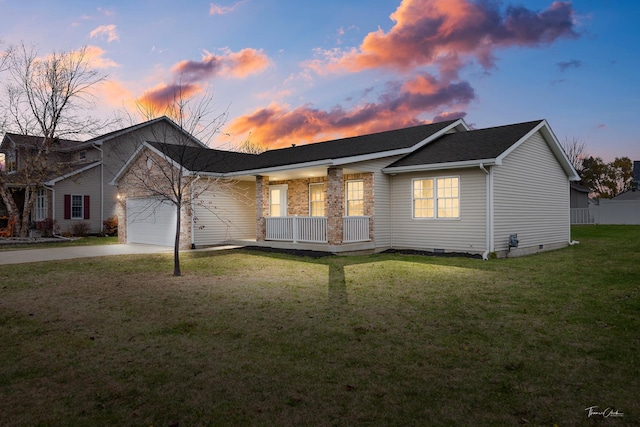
(12, 208)
(176, 246)
(29, 199)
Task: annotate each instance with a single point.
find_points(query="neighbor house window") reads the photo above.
(316, 199)
(355, 198)
(77, 209)
(436, 197)
(11, 162)
(82, 155)
(41, 205)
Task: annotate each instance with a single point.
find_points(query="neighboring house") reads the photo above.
(579, 202)
(623, 208)
(440, 187)
(76, 190)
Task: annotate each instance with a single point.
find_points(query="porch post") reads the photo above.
(262, 206)
(335, 205)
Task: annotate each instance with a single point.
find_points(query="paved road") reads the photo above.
(71, 252)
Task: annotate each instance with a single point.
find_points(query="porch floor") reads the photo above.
(345, 248)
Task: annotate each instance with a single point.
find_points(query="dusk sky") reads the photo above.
(307, 71)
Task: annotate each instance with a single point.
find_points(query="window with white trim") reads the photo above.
(316, 199)
(436, 197)
(355, 198)
(77, 207)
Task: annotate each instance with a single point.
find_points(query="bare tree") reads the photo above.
(576, 151)
(169, 182)
(46, 97)
(250, 147)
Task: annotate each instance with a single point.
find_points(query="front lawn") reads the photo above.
(253, 338)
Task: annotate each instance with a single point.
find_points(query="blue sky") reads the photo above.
(297, 72)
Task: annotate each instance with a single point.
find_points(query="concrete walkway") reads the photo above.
(71, 252)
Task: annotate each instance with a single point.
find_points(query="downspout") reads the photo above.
(101, 187)
(489, 210)
(193, 222)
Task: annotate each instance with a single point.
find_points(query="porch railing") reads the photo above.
(355, 229)
(311, 229)
(581, 216)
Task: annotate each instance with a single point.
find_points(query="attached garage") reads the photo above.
(151, 222)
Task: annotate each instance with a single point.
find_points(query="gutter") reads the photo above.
(101, 187)
(489, 210)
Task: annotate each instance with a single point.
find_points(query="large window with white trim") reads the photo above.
(355, 198)
(316, 199)
(436, 197)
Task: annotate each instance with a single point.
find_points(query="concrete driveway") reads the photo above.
(71, 252)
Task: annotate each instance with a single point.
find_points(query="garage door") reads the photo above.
(151, 222)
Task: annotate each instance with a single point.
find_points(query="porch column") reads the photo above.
(262, 206)
(335, 205)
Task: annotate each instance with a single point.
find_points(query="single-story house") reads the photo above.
(440, 187)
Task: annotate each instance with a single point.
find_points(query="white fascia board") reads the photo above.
(70, 174)
(265, 171)
(553, 144)
(441, 166)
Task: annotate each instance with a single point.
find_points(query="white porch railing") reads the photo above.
(581, 216)
(310, 229)
(313, 229)
(355, 229)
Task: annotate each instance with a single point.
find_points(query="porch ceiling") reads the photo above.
(301, 173)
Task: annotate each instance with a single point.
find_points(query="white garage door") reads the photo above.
(151, 222)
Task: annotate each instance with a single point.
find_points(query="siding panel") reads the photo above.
(466, 234)
(531, 197)
(225, 213)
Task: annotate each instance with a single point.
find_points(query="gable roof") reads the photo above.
(482, 144)
(99, 140)
(480, 147)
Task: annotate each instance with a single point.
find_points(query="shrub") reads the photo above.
(80, 229)
(46, 226)
(111, 226)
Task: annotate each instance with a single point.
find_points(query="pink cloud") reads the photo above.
(400, 104)
(440, 32)
(216, 9)
(231, 64)
(108, 31)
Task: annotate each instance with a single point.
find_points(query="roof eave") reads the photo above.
(440, 166)
(70, 174)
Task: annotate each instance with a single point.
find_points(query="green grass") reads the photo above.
(249, 338)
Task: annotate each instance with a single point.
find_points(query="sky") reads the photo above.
(290, 72)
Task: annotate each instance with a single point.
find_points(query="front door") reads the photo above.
(277, 200)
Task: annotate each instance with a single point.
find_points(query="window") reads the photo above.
(355, 198)
(11, 162)
(41, 205)
(76, 207)
(436, 197)
(316, 199)
(82, 155)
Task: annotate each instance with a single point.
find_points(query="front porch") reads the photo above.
(331, 213)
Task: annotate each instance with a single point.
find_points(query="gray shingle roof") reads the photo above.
(200, 159)
(478, 144)
(217, 161)
(59, 144)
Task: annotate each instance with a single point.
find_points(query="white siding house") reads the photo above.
(440, 188)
